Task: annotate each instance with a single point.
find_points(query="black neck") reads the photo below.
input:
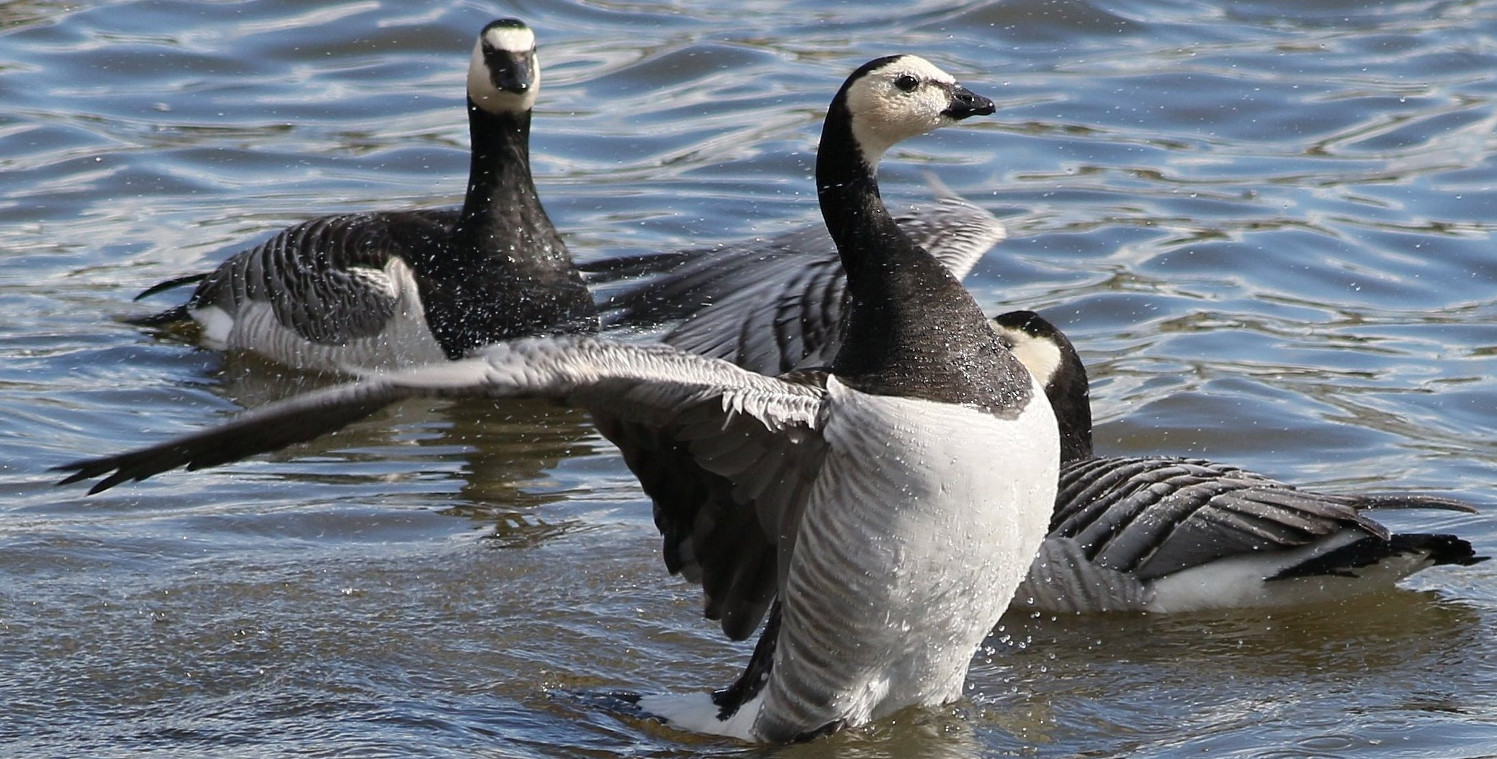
(1070, 396)
(501, 197)
(912, 330)
(505, 271)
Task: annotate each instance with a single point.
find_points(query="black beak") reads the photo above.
(965, 102)
(511, 72)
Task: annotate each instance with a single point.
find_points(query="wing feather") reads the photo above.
(774, 305)
(728, 491)
(324, 278)
(724, 453)
(1155, 516)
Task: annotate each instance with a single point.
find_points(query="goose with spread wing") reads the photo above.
(880, 512)
(395, 288)
(1169, 534)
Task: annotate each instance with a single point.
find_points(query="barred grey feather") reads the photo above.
(775, 304)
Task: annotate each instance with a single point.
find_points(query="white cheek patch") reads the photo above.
(883, 114)
(481, 87)
(1041, 357)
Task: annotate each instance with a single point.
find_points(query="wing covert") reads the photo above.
(773, 305)
(325, 278)
(1156, 516)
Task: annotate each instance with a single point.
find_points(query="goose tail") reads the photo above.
(1395, 558)
(171, 284)
(173, 315)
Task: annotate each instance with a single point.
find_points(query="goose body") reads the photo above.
(396, 288)
(1165, 534)
(857, 507)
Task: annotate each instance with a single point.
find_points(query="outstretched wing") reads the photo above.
(1152, 517)
(659, 288)
(327, 279)
(776, 304)
(726, 454)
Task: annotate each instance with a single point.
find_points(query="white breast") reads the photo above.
(922, 523)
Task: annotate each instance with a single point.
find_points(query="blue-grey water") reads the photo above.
(1267, 224)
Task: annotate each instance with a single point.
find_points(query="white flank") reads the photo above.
(404, 341)
(217, 326)
(1239, 581)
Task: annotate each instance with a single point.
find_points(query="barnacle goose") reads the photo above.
(888, 506)
(658, 288)
(393, 288)
(1166, 534)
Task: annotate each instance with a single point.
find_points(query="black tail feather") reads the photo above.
(171, 284)
(1413, 501)
(173, 315)
(1438, 549)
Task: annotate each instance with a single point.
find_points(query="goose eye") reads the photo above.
(906, 82)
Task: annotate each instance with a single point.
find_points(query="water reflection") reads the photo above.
(934, 733)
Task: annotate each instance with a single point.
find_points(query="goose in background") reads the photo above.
(711, 289)
(887, 506)
(1167, 534)
(393, 288)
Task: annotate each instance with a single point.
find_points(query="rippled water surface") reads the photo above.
(1268, 225)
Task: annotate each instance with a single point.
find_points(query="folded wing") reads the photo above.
(1152, 517)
